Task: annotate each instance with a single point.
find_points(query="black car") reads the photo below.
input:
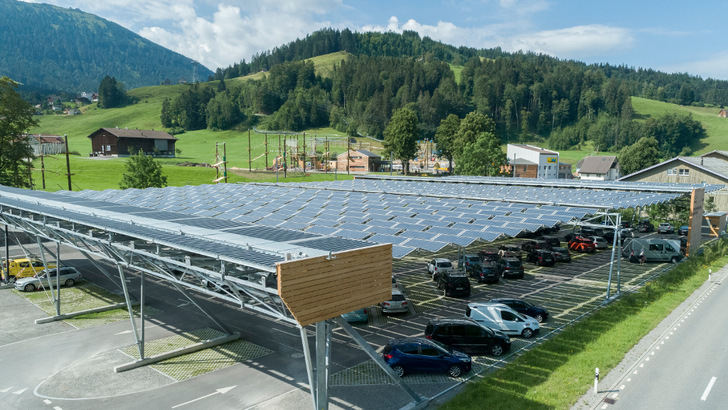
(510, 251)
(415, 354)
(542, 257)
(524, 308)
(468, 336)
(561, 254)
(454, 284)
(529, 246)
(489, 256)
(552, 240)
(488, 272)
(512, 268)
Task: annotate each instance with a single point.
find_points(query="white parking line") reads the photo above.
(707, 389)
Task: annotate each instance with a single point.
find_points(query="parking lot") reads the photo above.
(270, 357)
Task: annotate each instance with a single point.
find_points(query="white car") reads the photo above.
(665, 227)
(438, 266)
(498, 316)
(69, 277)
(599, 242)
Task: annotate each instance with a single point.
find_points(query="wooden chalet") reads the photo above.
(123, 142)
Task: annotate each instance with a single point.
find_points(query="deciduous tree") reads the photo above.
(142, 171)
(482, 157)
(644, 153)
(400, 137)
(445, 137)
(16, 118)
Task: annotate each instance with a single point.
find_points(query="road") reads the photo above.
(685, 368)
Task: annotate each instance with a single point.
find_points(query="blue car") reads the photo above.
(357, 316)
(683, 231)
(416, 354)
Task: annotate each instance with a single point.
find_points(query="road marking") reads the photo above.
(46, 401)
(20, 391)
(707, 389)
(218, 391)
(5, 390)
(604, 406)
(57, 408)
(126, 332)
(622, 387)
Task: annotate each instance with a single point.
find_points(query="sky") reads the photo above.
(684, 37)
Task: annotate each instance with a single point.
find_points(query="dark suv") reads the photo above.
(468, 336)
(524, 308)
(488, 272)
(552, 241)
(510, 251)
(414, 354)
(489, 256)
(454, 284)
(512, 268)
(542, 257)
(528, 246)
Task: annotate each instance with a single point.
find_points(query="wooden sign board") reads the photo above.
(696, 220)
(320, 288)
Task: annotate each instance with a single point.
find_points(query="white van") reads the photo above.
(656, 250)
(501, 317)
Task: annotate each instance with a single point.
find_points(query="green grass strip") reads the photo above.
(555, 374)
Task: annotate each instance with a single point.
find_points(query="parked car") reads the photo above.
(561, 254)
(24, 267)
(468, 336)
(357, 316)
(528, 246)
(512, 268)
(418, 354)
(521, 306)
(488, 272)
(665, 227)
(582, 244)
(645, 226)
(489, 256)
(468, 262)
(68, 277)
(437, 266)
(683, 230)
(398, 303)
(599, 242)
(552, 240)
(454, 283)
(542, 257)
(498, 316)
(510, 251)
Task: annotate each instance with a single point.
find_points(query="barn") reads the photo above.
(123, 142)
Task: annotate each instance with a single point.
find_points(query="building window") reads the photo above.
(672, 171)
(683, 172)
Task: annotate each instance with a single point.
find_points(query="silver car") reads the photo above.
(599, 242)
(398, 303)
(69, 276)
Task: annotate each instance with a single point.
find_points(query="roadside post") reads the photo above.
(596, 381)
(710, 273)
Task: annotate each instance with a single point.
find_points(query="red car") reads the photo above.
(582, 244)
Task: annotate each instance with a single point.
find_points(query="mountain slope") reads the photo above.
(49, 48)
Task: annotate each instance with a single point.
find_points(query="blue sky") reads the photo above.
(672, 37)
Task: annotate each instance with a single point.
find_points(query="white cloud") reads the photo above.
(573, 42)
(712, 67)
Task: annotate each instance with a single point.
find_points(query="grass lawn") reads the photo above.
(558, 372)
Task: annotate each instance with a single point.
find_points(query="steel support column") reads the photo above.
(323, 356)
(139, 341)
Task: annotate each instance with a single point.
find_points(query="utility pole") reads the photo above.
(348, 152)
(285, 164)
(266, 151)
(42, 168)
(68, 163)
(250, 161)
(304, 152)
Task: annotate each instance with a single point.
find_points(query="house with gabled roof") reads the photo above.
(360, 160)
(46, 144)
(598, 168)
(710, 168)
(123, 142)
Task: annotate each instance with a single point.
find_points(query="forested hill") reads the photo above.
(52, 49)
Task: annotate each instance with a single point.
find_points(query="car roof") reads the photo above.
(453, 320)
(442, 260)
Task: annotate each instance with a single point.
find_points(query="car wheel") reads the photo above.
(29, 287)
(454, 371)
(398, 370)
(70, 282)
(527, 333)
(444, 291)
(496, 350)
(539, 318)
(674, 259)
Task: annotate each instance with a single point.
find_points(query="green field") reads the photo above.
(259, 150)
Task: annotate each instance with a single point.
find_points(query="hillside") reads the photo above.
(52, 49)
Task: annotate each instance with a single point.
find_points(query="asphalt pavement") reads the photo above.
(681, 364)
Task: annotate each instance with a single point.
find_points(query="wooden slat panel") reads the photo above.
(316, 289)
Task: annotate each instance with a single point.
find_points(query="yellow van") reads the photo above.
(25, 268)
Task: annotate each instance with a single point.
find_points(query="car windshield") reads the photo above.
(514, 264)
(398, 298)
(473, 258)
(444, 264)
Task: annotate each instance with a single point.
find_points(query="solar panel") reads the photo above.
(382, 238)
(428, 245)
